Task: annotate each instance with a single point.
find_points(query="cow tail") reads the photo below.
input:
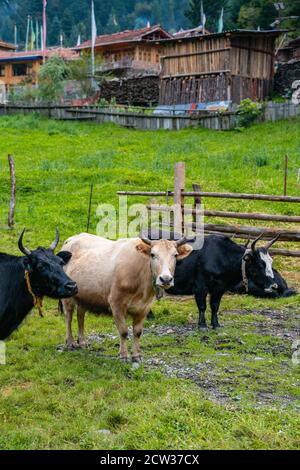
(60, 310)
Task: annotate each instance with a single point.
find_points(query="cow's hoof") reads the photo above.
(203, 328)
(82, 344)
(124, 359)
(71, 346)
(216, 327)
(136, 359)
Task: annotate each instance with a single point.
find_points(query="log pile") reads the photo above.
(137, 91)
(285, 75)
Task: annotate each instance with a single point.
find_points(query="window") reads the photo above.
(19, 70)
(2, 70)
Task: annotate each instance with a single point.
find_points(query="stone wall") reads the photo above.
(285, 75)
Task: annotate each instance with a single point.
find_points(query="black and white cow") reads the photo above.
(282, 291)
(218, 267)
(24, 279)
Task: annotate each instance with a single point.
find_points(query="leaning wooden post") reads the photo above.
(90, 208)
(286, 160)
(197, 200)
(179, 185)
(12, 203)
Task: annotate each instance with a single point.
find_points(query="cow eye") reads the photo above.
(152, 255)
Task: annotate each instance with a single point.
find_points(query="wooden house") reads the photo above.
(135, 50)
(23, 67)
(229, 66)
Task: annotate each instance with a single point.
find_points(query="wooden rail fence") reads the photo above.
(179, 195)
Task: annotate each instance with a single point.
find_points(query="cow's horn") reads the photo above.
(145, 239)
(268, 246)
(56, 241)
(247, 243)
(256, 240)
(181, 242)
(23, 248)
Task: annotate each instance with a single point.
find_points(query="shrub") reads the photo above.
(247, 112)
(51, 78)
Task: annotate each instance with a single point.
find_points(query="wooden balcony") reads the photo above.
(128, 63)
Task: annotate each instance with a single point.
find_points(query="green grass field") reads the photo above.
(236, 388)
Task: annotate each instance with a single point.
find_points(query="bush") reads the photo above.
(51, 78)
(247, 112)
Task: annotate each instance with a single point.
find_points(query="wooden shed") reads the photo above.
(229, 66)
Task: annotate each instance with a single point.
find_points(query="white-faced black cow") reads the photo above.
(25, 279)
(219, 266)
(282, 291)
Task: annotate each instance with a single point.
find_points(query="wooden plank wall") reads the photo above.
(218, 68)
(252, 57)
(197, 55)
(184, 90)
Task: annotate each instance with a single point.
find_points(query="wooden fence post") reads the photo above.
(179, 185)
(12, 203)
(197, 200)
(286, 160)
(90, 208)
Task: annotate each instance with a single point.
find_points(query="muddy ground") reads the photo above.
(248, 360)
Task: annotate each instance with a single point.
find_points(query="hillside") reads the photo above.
(73, 18)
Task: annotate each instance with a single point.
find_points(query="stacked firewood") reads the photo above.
(138, 91)
(285, 76)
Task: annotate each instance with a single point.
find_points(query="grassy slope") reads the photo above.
(248, 385)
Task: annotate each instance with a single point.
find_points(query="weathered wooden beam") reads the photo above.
(253, 216)
(258, 197)
(191, 54)
(254, 49)
(195, 74)
(269, 233)
(281, 252)
(231, 215)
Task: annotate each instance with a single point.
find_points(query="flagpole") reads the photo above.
(16, 36)
(27, 33)
(37, 33)
(44, 29)
(94, 34)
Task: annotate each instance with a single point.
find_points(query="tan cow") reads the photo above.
(119, 278)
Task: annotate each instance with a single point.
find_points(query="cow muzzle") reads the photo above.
(271, 288)
(68, 290)
(165, 281)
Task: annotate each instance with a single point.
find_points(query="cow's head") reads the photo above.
(163, 256)
(46, 274)
(259, 265)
